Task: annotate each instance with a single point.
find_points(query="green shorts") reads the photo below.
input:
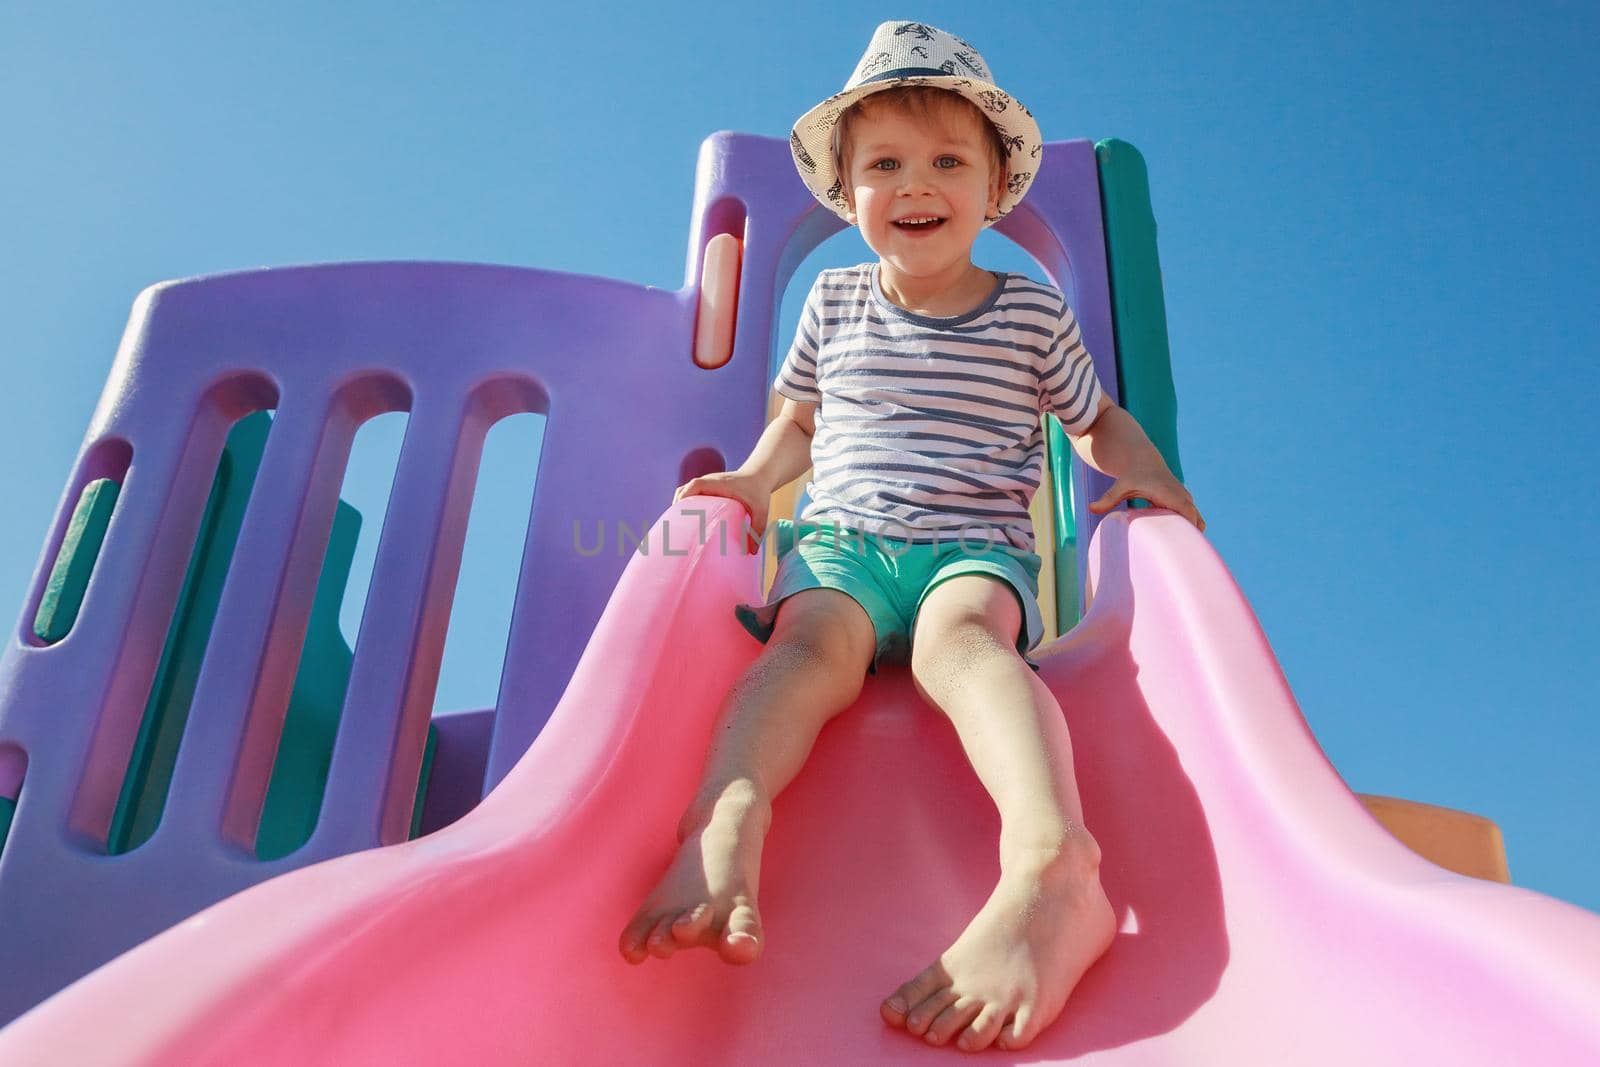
(890, 578)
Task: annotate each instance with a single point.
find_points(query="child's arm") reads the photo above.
(1116, 444)
(781, 455)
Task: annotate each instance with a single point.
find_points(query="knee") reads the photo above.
(822, 652)
(944, 652)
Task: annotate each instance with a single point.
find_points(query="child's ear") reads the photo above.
(992, 211)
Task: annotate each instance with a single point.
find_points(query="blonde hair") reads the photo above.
(924, 103)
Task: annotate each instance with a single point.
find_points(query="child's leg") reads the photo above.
(811, 669)
(1010, 972)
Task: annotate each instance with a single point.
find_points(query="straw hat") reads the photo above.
(913, 53)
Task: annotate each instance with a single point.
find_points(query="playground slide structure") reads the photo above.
(1264, 916)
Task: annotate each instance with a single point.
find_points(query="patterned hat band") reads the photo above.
(913, 53)
(905, 72)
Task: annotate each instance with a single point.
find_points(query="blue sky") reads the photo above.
(1376, 227)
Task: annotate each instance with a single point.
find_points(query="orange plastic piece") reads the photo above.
(719, 301)
(1456, 840)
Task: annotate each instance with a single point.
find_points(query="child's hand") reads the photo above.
(731, 484)
(1157, 486)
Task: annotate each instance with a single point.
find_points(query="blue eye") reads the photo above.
(954, 162)
(880, 164)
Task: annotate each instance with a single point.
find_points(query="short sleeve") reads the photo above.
(1068, 386)
(797, 378)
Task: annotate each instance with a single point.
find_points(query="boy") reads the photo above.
(914, 389)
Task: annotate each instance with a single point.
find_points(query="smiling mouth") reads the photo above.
(926, 225)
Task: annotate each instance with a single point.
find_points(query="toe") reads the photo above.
(631, 943)
(1014, 1035)
(660, 943)
(983, 1030)
(922, 1015)
(742, 937)
(691, 925)
(898, 1006)
(953, 1019)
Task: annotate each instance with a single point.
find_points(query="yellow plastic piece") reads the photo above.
(1044, 535)
(783, 502)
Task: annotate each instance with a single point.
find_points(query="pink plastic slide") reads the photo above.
(1265, 917)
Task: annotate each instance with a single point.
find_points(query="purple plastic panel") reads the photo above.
(458, 346)
(1059, 223)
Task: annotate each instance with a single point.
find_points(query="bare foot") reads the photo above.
(1010, 972)
(707, 897)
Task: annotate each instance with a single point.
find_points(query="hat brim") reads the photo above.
(811, 139)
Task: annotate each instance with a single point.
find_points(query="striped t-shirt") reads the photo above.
(929, 428)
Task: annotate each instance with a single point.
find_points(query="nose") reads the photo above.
(914, 180)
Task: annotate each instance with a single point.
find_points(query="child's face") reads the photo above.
(901, 168)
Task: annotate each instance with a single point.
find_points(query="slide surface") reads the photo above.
(1264, 916)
